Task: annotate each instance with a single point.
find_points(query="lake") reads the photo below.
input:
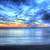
(25, 36)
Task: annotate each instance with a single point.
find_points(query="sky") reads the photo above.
(28, 10)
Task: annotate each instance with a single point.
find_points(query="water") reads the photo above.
(25, 36)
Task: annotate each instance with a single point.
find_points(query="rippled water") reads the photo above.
(25, 36)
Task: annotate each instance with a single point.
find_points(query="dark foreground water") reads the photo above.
(25, 36)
